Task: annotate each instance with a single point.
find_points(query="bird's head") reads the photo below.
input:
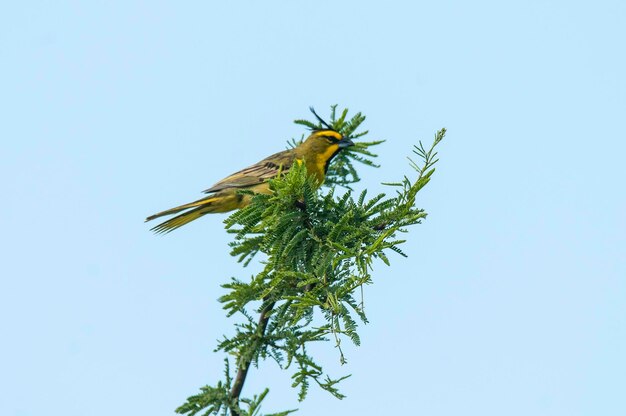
(321, 146)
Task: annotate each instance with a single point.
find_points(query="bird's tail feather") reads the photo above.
(182, 219)
(198, 203)
(200, 207)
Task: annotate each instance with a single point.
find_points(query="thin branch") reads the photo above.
(242, 372)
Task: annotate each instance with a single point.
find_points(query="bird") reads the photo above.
(315, 152)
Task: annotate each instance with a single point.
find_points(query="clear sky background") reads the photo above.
(512, 301)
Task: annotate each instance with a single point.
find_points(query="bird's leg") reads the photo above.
(301, 205)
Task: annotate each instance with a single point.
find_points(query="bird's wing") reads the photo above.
(257, 173)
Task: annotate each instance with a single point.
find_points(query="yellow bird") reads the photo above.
(316, 151)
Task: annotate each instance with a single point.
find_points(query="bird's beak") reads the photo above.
(345, 142)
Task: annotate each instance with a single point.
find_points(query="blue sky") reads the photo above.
(512, 298)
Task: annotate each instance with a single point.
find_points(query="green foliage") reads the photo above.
(218, 401)
(319, 251)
